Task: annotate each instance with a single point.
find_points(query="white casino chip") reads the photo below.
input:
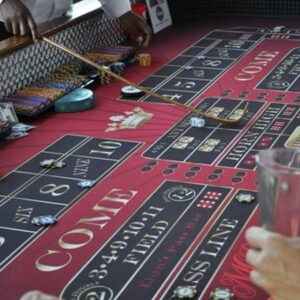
(185, 292)
(221, 294)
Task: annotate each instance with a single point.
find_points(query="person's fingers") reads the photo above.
(140, 40)
(24, 29)
(15, 27)
(257, 278)
(146, 31)
(135, 34)
(256, 237)
(268, 284)
(32, 27)
(253, 257)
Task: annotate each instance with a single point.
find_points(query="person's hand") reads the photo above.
(137, 28)
(18, 19)
(276, 262)
(37, 295)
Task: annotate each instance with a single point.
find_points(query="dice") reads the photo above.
(197, 122)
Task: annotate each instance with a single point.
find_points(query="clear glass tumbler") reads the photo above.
(279, 190)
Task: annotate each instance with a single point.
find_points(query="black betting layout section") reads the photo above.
(210, 58)
(277, 125)
(30, 191)
(213, 249)
(147, 247)
(190, 144)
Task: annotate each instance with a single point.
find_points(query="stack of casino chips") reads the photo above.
(67, 76)
(144, 60)
(104, 78)
(111, 53)
(24, 104)
(51, 94)
(70, 69)
(40, 95)
(70, 81)
(118, 68)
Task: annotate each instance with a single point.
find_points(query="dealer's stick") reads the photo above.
(146, 91)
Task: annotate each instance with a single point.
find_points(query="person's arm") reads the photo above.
(137, 27)
(116, 8)
(276, 263)
(17, 18)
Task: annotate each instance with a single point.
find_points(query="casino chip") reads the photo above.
(47, 163)
(200, 57)
(118, 68)
(130, 91)
(245, 198)
(185, 292)
(52, 164)
(221, 294)
(279, 29)
(58, 165)
(44, 220)
(189, 68)
(86, 183)
(197, 122)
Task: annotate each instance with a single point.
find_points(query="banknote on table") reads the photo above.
(16, 135)
(21, 127)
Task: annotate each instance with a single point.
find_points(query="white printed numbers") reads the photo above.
(98, 273)
(93, 295)
(107, 148)
(186, 85)
(118, 245)
(2, 241)
(180, 194)
(54, 190)
(211, 63)
(96, 292)
(173, 97)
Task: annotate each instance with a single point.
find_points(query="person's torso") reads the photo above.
(47, 10)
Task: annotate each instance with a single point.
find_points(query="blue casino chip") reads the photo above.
(188, 68)
(44, 220)
(86, 183)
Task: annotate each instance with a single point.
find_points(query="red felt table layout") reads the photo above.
(163, 212)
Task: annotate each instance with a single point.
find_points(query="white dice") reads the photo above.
(197, 122)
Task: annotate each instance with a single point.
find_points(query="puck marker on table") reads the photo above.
(131, 91)
(77, 100)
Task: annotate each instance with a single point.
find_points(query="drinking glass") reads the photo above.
(279, 190)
